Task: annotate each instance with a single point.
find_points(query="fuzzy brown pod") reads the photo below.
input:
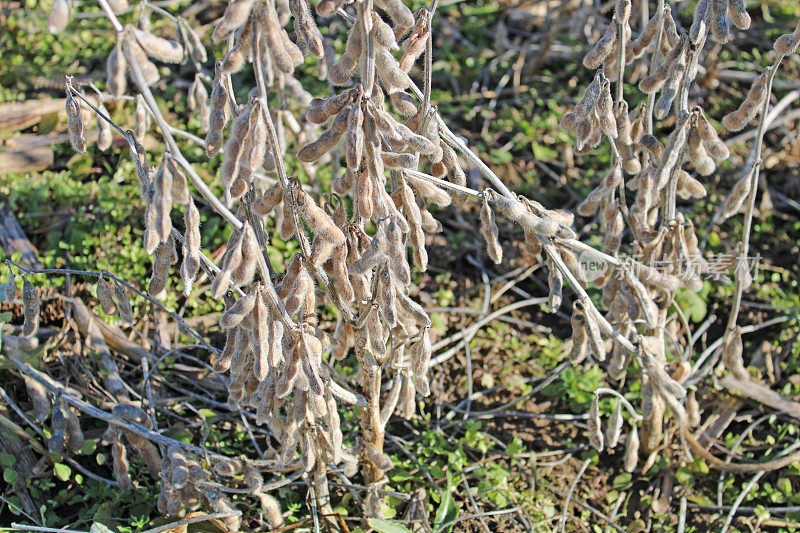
(316, 217)
(234, 315)
(38, 396)
(271, 509)
(192, 41)
(30, 302)
(75, 123)
(105, 295)
(121, 466)
(416, 43)
(198, 99)
(159, 48)
(308, 35)
(571, 120)
(699, 27)
(594, 58)
(614, 427)
(489, 232)
(116, 70)
(631, 456)
(738, 14)
(732, 355)
(59, 15)
(235, 16)
(579, 336)
(341, 71)
(787, 43)
(327, 141)
(636, 48)
(148, 70)
(191, 247)
(595, 431)
(220, 111)
(165, 256)
(748, 109)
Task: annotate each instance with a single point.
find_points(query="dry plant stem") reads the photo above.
(57, 388)
(651, 98)
(603, 390)
(180, 524)
(196, 180)
(288, 194)
(563, 521)
(130, 287)
(751, 201)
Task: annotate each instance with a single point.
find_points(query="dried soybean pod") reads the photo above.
(732, 355)
(716, 148)
(401, 15)
(637, 47)
(738, 119)
(317, 218)
(38, 396)
(594, 58)
(340, 72)
(105, 295)
(355, 134)
(74, 123)
(605, 110)
(30, 301)
(191, 247)
(270, 506)
(59, 16)
(383, 33)
(250, 254)
(614, 428)
(165, 50)
(218, 116)
(699, 28)
(490, 232)
(141, 119)
(231, 261)
(75, 438)
(579, 337)
(116, 67)
(121, 466)
(305, 28)
(236, 14)
(631, 456)
(688, 187)
(555, 282)
(147, 68)
(235, 145)
(236, 313)
(58, 422)
(595, 431)
(655, 81)
(260, 336)
(192, 41)
(327, 141)
(787, 44)
(719, 20)
(738, 14)
(123, 304)
(225, 358)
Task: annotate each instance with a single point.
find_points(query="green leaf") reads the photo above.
(6, 459)
(97, 527)
(447, 511)
(385, 526)
(62, 471)
(10, 476)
